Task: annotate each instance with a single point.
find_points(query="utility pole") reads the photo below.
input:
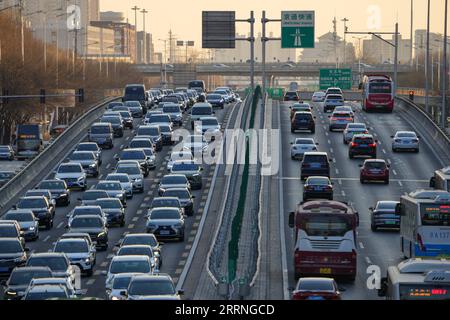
(144, 51)
(135, 9)
(252, 49)
(427, 63)
(411, 32)
(396, 60)
(444, 70)
(335, 41)
(345, 20)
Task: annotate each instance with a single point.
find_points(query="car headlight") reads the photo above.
(196, 175)
(32, 228)
(92, 165)
(87, 260)
(101, 234)
(11, 293)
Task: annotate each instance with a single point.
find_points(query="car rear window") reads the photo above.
(302, 116)
(315, 158)
(375, 165)
(363, 140)
(315, 286)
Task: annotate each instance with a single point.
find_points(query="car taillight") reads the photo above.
(372, 145)
(354, 144)
(420, 241)
(333, 118)
(353, 254)
(415, 140)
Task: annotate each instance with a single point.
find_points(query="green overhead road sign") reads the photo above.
(341, 78)
(297, 29)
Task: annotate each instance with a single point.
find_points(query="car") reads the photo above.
(79, 235)
(185, 197)
(317, 187)
(171, 181)
(154, 132)
(179, 155)
(150, 157)
(209, 127)
(166, 202)
(89, 197)
(315, 164)
(318, 96)
(147, 239)
(88, 161)
(7, 153)
(135, 108)
(119, 284)
(167, 134)
(137, 92)
(113, 209)
(316, 289)
(20, 279)
(384, 215)
(303, 121)
(191, 170)
(216, 100)
(332, 101)
(116, 124)
(11, 229)
(136, 154)
(351, 129)
(405, 140)
(152, 287)
(363, 145)
(95, 226)
(299, 107)
(73, 174)
(134, 171)
(348, 109)
(64, 282)
(175, 113)
(102, 134)
(122, 264)
(334, 90)
(113, 104)
(5, 176)
(58, 263)
(29, 225)
(113, 189)
(124, 180)
(174, 99)
(160, 118)
(41, 208)
(374, 170)
(12, 254)
(59, 191)
(142, 142)
(339, 120)
(79, 252)
(302, 145)
(86, 211)
(127, 117)
(199, 111)
(291, 96)
(196, 144)
(41, 192)
(166, 223)
(45, 292)
(93, 147)
(140, 250)
(224, 93)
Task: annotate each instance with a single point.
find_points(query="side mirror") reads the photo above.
(193, 197)
(123, 293)
(317, 144)
(291, 219)
(79, 199)
(392, 136)
(418, 137)
(26, 249)
(292, 143)
(433, 182)
(14, 207)
(180, 292)
(376, 141)
(371, 209)
(67, 226)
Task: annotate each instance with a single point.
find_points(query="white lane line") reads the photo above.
(400, 183)
(90, 282)
(384, 151)
(108, 166)
(161, 169)
(110, 256)
(361, 245)
(127, 138)
(92, 187)
(140, 211)
(100, 177)
(135, 219)
(46, 238)
(343, 193)
(329, 141)
(104, 264)
(337, 172)
(116, 155)
(340, 181)
(147, 199)
(394, 172)
(326, 133)
(60, 225)
(331, 150)
(121, 146)
(368, 260)
(389, 161)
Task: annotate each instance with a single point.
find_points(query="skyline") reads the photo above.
(362, 16)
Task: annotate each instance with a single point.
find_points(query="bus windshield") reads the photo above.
(326, 225)
(434, 214)
(380, 88)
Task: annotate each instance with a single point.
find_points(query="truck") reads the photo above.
(29, 140)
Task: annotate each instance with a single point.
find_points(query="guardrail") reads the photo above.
(51, 155)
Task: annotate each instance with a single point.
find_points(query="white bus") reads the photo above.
(417, 279)
(425, 224)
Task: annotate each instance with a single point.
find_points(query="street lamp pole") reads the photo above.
(444, 70)
(427, 62)
(144, 51)
(135, 9)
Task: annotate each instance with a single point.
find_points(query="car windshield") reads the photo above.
(132, 104)
(375, 165)
(151, 288)
(315, 286)
(304, 141)
(180, 194)
(79, 211)
(8, 231)
(72, 246)
(93, 195)
(131, 155)
(82, 156)
(19, 216)
(83, 222)
(201, 110)
(54, 263)
(125, 114)
(38, 193)
(185, 167)
(357, 126)
(180, 156)
(123, 266)
(148, 152)
(140, 240)
(10, 246)
(121, 282)
(171, 109)
(100, 130)
(144, 143)
(32, 203)
(318, 181)
(162, 214)
(70, 169)
(162, 202)
(159, 118)
(406, 135)
(129, 170)
(173, 180)
(118, 177)
(342, 115)
(112, 120)
(164, 128)
(386, 205)
(210, 122)
(291, 94)
(149, 131)
(109, 204)
(363, 140)
(109, 186)
(213, 97)
(46, 295)
(315, 158)
(19, 277)
(52, 185)
(136, 251)
(334, 97)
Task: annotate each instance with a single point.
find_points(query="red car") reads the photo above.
(374, 170)
(316, 289)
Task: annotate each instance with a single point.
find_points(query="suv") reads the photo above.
(166, 223)
(175, 113)
(374, 170)
(185, 197)
(303, 121)
(41, 207)
(134, 171)
(352, 129)
(171, 181)
(199, 111)
(339, 120)
(95, 226)
(12, 254)
(116, 123)
(136, 154)
(191, 170)
(315, 164)
(384, 215)
(88, 161)
(91, 146)
(102, 134)
(28, 223)
(152, 131)
(362, 145)
(79, 253)
(73, 174)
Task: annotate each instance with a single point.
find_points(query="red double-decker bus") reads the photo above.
(325, 239)
(377, 93)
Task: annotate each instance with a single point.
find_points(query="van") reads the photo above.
(199, 111)
(315, 164)
(137, 92)
(102, 134)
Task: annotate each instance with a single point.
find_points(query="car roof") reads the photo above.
(32, 268)
(47, 255)
(130, 258)
(156, 277)
(375, 161)
(71, 240)
(316, 153)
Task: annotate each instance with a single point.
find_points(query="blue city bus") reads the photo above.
(29, 140)
(425, 224)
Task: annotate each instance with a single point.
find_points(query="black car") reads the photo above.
(291, 96)
(137, 92)
(12, 254)
(58, 189)
(363, 145)
(127, 118)
(216, 100)
(384, 216)
(95, 226)
(41, 207)
(20, 278)
(7, 153)
(116, 123)
(315, 164)
(154, 132)
(318, 188)
(303, 121)
(167, 134)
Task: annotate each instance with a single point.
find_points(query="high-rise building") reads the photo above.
(328, 48)
(377, 51)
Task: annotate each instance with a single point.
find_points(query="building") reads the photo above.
(376, 50)
(329, 48)
(420, 42)
(145, 54)
(112, 16)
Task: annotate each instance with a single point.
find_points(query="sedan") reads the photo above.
(135, 108)
(147, 239)
(88, 161)
(91, 146)
(79, 253)
(171, 181)
(374, 170)
(209, 127)
(58, 189)
(113, 189)
(318, 96)
(384, 216)
(178, 155)
(124, 180)
(41, 208)
(339, 120)
(28, 223)
(95, 226)
(57, 262)
(405, 140)
(318, 188)
(114, 211)
(316, 289)
(299, 107)
(20, 278)
(302, 145)
(152, 287)
(126, 264)
(73, 174)
(351, 130)
(6, 153)
(185, 197)
(166, 223)
(140, 250)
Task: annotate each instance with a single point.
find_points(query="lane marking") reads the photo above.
(46, 238)
(108, 166)
(394, 172)
(337, 172)
(368, 260)
(361, 245)
(356, 179)
(60, 225)
(90, 282)
(400, 183)
(384, 151)
(104, 264)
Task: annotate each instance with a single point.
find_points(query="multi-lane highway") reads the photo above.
(408, 172)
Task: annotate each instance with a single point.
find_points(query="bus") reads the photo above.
(425, 224)
(377, 93)
(417, 279)
(29, 140)
(325, 239)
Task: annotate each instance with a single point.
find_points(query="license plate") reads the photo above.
(315, 298)
(364, 145)
(164, 232)
(391, 222)
(325, 271)
(315, 166)
(4, 269)
(317, 189)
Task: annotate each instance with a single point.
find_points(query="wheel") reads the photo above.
(350, 156)
(386, 181)
(361, 180)
(313, 130)
(373, 228)
(122, 223)
(90, 272)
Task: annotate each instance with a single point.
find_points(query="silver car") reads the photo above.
(179, 155)
(125, 264)
(113, 189)
(339, 120)
(88, 161)
(140, 250)
(73, 174)
(352, 129)
(171, 181)
(79, 253)
(166, 223)
(302, 145)
(152, 287)
(134, 171)
(120, 283)
(124, 180)
(28, 223)
(405, 140)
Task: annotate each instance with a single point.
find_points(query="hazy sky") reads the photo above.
(184, 16)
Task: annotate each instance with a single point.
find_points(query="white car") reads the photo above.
(179, 155)
(318, 96)
(209, 127)
(405, 140)
(73, 174)
(197, 144)
(302, 145)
